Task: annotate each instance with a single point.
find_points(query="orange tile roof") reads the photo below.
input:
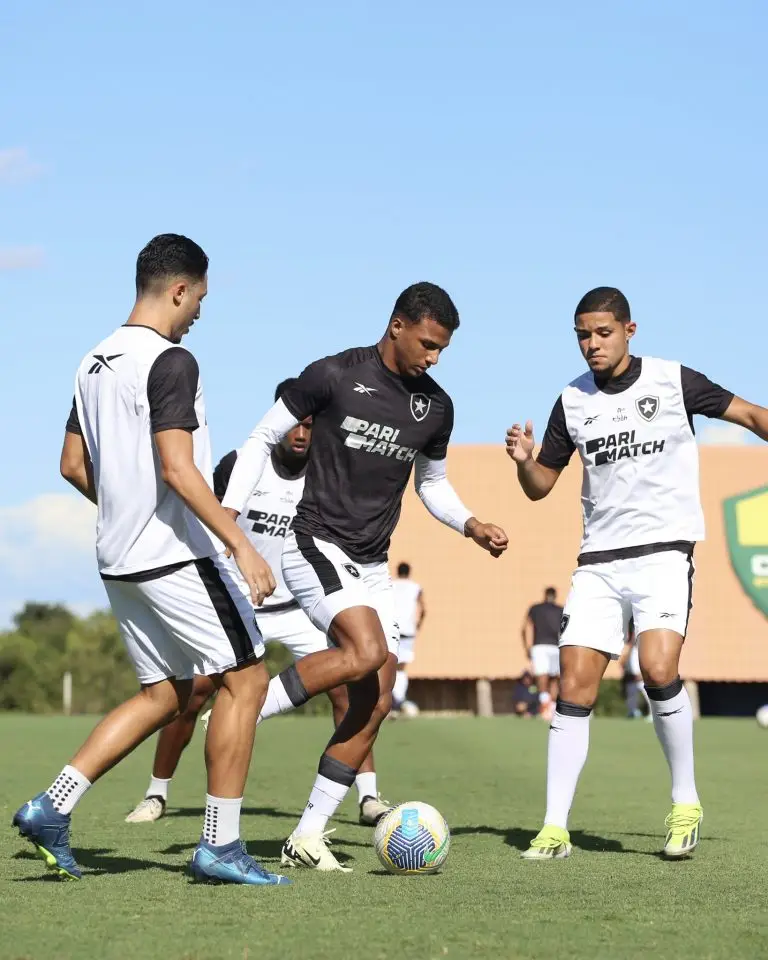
(476, 605)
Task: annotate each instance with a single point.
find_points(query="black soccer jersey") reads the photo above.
(369, 425)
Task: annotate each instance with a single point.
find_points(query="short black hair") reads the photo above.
(167, 256)
(550, 592)
(605, 300)
(283, 386)
(403, 569)
(426, 300)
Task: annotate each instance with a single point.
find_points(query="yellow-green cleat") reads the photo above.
(683, 829)
(551, 843)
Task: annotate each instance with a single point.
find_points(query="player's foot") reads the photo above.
(551, 843)
(547, 711)
(230, 863)
(683, 829)
(150, 809)
(205, 719)
(311, 850)
(373, 809)
(39, 822)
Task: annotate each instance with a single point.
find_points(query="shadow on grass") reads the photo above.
(98, 860)
(172, 812)
(519, 839)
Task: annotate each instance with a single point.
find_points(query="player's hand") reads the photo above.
(520, 442)
(256, 572)
(488, 536)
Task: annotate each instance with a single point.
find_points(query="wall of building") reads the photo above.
(476, 605)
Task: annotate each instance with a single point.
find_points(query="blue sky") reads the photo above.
(327, 155)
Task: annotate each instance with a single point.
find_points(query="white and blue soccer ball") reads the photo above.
(412, 838)
(762, 716)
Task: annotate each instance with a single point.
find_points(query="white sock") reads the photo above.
(157, 788)
(544, 697)
(67, 789)
(673, 722)
(366, 786)
(222, 820)
(323, 802)
(400, 688)
(277, 700)
(568, 747)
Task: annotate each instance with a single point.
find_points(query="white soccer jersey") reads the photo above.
(132, 385)
(267, 518)
(407, 593)
(641, 466)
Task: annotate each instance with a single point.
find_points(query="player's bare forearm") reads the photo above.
(183, 477)
(76, 467)
(536, 480)
(748, 415)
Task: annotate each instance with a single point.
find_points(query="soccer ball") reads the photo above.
(762, 716)
(412, 838)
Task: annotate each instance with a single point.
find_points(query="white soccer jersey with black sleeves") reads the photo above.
(267, 519)
(134, 384)
(641, 466)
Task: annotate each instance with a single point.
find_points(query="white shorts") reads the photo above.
(406, 652)
(325, 581)
(293, 629)
(656, 590)
(545, 660)
(198, 619)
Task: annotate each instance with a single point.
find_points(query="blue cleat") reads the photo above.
(230, 863)
(40, 823)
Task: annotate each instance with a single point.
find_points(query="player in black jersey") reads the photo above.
(377, 415)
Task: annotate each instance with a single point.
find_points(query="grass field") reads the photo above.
(614, 898)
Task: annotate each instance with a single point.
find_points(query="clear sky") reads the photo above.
(328, 154)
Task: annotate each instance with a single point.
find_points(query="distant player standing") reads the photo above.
(409, 616)
(267, 520)
(137, 446)
(541, 633)
(377, 415)
(629, 661)
(630, 418)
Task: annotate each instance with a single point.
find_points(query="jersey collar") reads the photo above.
(627, 379)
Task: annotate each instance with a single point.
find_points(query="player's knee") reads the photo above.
(367, 657)
(578, 689)
(658, 671)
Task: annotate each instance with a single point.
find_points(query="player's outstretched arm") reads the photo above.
(442, 501)
(76, 466)
(254, 454)
(748, 415)
(536, 479)
(174, 447)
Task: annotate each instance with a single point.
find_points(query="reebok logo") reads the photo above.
(367, 391)
(590, 420)
(376, 438)
(666, 616)
(102, 361)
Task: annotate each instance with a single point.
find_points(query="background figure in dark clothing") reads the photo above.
(541, 635)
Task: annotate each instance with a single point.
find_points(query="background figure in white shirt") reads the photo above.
(409, 616)
(631, 420)
(137, 446)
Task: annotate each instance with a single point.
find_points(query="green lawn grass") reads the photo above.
(615, 898)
